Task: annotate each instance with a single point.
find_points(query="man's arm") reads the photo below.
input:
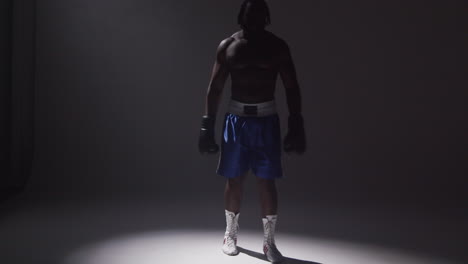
(295, 138)
(287, 72)
(218, 78)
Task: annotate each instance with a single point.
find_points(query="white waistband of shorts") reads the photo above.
(257, 109)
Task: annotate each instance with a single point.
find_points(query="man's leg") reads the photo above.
(233, 193)
(269, 204)
(233, 198)
(268, 196)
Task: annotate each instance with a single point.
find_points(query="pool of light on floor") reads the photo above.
(204, 247)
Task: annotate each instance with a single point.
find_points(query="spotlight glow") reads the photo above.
(204, 247)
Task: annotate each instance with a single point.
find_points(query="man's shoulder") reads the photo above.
(278, 41)
(225, 43)
(272, 38)
(236, 35)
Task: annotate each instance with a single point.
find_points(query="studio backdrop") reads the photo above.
(17, 58)
(120, 88)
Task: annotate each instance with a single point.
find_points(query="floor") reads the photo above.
(147, 230)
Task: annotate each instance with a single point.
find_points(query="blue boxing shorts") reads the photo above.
(251, 140)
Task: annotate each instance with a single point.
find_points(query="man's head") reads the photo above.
(254, 15)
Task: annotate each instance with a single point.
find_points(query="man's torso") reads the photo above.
(253, 64)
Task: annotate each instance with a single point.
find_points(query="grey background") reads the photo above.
(17, 84)
(5, 83)
(121, 85)
(119, 93)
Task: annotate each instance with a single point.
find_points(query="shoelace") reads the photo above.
(231, 234)
(269, 238)
(230, 241)
(269, 241)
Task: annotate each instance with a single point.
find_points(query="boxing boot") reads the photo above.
(269, 247)
(230, 236)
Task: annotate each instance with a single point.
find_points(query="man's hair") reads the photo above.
(261, 4)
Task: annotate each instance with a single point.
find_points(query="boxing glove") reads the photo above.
(294, 141)
(206, 142)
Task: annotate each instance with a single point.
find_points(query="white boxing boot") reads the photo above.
(230, 236)
(269, 247)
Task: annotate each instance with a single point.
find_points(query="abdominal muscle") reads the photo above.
(253, 86)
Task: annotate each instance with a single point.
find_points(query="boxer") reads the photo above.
(251, 140)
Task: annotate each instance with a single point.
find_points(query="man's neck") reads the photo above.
(251, 34)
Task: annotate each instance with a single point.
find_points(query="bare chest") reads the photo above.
(244, 55)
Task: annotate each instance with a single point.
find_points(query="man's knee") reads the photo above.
(233, 182)
(236, 182)
(266, 183)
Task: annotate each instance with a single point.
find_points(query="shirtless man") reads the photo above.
(253, 57)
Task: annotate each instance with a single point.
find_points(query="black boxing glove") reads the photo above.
(294, 141)
(206, 142)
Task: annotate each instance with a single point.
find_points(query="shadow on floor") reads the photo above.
(261, 256)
